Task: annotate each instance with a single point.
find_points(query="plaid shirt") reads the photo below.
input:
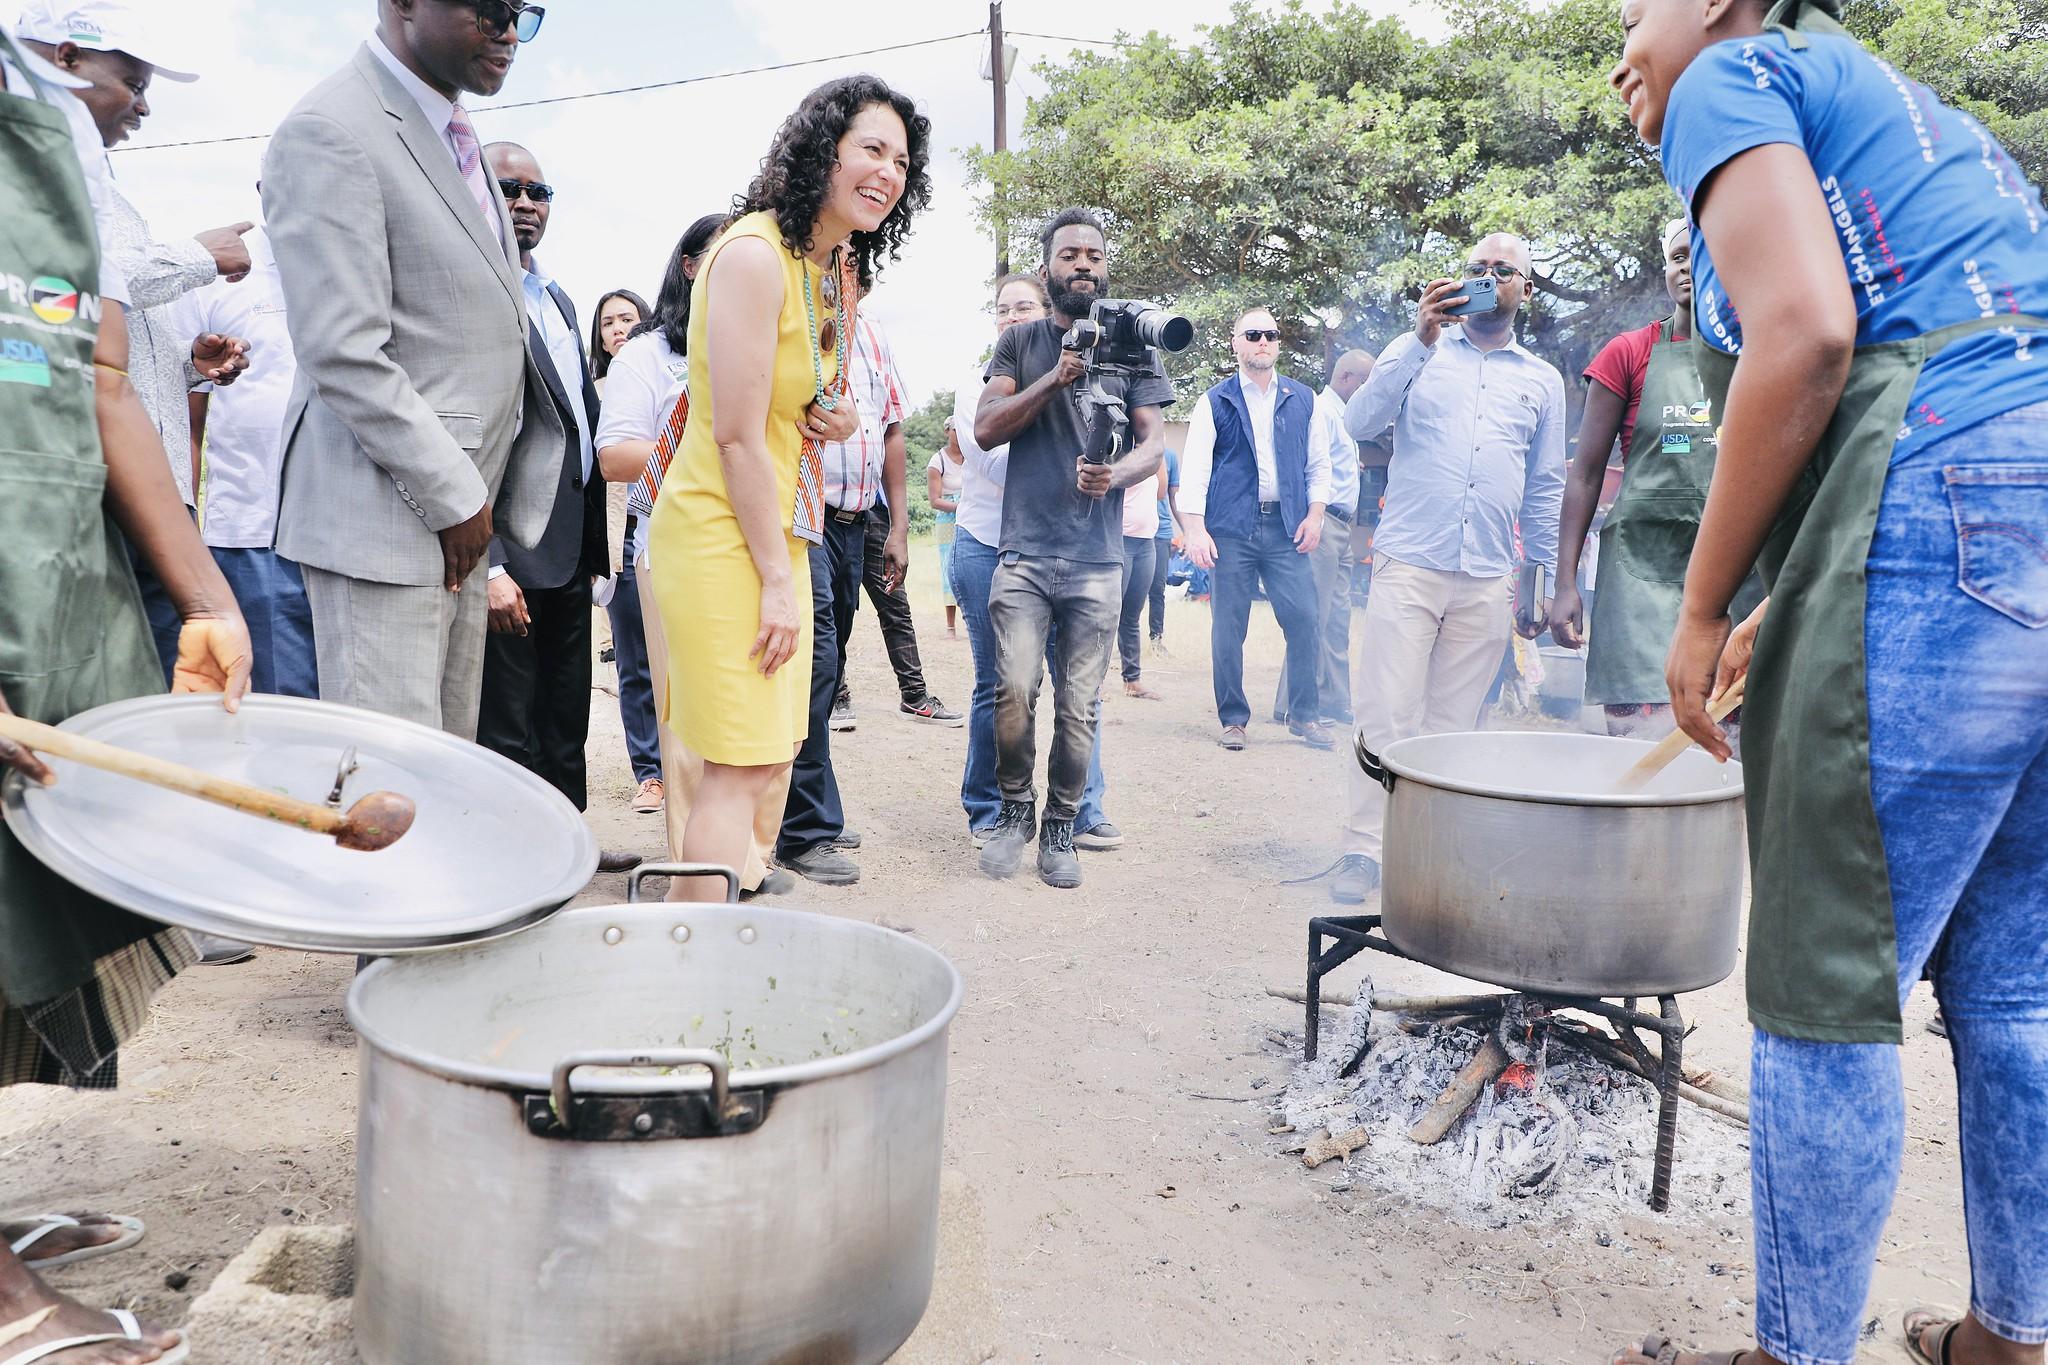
(853, 469)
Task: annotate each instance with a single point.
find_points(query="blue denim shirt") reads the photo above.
(1478, 445)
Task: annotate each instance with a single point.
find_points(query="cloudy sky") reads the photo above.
(633, 170)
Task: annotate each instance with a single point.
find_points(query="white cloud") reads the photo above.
(634, 170)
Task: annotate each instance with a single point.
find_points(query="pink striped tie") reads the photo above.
(469, 159)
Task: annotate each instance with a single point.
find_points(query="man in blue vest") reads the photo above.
(1255, 480)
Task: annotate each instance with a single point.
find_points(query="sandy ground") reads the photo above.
(1101, 1027)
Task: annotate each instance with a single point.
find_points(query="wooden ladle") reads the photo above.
(375, 822)
(1678, 741)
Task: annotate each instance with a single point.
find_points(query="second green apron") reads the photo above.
(1650, 530)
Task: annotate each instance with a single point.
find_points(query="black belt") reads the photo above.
(1269, 509)
(844, 517)
(632, 525)
(1342, 514)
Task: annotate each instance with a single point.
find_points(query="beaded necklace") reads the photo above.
(835, 292)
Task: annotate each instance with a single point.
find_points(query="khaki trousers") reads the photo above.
(1421, 665)
(682, 769)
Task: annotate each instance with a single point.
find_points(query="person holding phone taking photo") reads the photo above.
(1478, 426)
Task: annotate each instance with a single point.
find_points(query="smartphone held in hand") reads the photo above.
(1480, 297)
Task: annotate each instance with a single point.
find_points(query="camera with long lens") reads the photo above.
(1117, 339)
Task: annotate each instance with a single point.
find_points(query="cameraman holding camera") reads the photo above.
(1062, 548)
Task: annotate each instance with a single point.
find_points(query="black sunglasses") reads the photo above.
(494, 17)
(1262, 334)
(1475, 270)
(538, 193)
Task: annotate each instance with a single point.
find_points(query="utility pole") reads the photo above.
(998, 75)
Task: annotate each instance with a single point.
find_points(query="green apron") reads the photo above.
(1823, 956)
(1647, 542)
(72, 631)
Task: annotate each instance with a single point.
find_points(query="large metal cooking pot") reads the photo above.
(648, 1134)
(1513, 857)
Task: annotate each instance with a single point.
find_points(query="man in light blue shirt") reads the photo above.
(1478, 433)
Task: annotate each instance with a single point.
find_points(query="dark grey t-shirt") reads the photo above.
(1043, 512)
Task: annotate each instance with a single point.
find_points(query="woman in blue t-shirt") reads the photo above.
(1870, 274)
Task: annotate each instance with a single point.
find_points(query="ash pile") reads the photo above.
(1494, 1110)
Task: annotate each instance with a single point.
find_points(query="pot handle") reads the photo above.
(1370, 761)
(732, 878)
(562, 1094)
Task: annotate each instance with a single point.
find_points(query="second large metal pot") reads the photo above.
(651, 1134)
(1513, 857)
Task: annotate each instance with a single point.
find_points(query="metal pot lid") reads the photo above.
(493, 850)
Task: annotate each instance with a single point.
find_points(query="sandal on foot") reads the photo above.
(1664, 1351)
(1917, 1323)
(131, 1330)
(47, 1223)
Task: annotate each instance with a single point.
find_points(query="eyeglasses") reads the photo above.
(1261, 334)
(493, 17)
(1020, 310)
(1500, 270)
(538, 193)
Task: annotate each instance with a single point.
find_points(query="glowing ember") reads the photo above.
(1518, 1079)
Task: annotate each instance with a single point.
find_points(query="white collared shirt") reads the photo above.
(1343, 452)
(565, 348)
(245, 420)
(438, 108)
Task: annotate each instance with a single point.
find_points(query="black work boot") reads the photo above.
(1015, 824)
(1058, 864)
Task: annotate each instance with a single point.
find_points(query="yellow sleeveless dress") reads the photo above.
(704, 579)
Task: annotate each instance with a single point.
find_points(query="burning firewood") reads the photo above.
(1444, 1112)
(1330, 1147)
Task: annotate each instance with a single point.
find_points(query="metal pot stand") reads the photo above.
(1352, 934)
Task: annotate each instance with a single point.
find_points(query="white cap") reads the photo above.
(1677, 227)
(97, 26)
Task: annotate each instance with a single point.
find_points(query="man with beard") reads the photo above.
(1478, 425)
(1062, 549)
(420, 425)
(1255, 485)
(535, 708)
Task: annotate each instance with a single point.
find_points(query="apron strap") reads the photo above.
(1797, 18)
(1942, 337)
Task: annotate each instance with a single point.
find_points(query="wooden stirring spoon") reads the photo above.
(1678, 741)
(375, 822)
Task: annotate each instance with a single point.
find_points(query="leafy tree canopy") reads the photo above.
(1327, 164)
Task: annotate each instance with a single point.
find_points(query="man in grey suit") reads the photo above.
(419, 424)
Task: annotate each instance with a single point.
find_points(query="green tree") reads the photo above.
(924, 433)
(1327, 164)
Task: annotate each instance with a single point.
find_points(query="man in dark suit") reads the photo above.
(536, 689)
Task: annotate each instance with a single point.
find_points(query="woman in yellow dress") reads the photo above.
(743, 504)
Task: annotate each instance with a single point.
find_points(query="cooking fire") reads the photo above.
(1497, 1109)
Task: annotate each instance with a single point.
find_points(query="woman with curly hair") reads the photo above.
(741, 512)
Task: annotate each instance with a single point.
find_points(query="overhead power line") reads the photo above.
(624, 89)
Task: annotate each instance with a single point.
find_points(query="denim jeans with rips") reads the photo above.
(973, 569)
(1956, 630)
(1030, 598)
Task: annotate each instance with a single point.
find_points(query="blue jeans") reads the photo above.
(1956, 629)
(974, 568)
(272, 595)
(636, 678)
(1267, 554)
(813, 815)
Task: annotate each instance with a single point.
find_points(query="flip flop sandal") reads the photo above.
(1664, 1351)
(1916, 1323)
(47, 1223)
(131, 1330)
